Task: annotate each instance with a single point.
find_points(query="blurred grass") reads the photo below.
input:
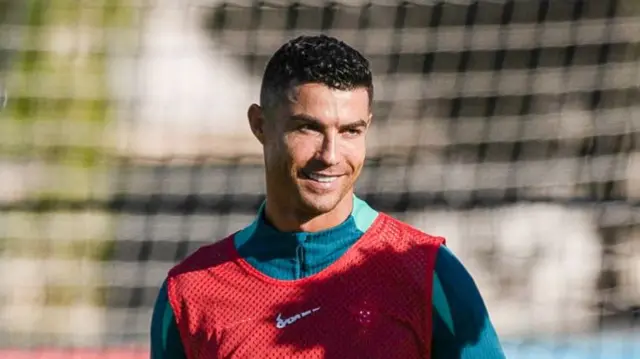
(63, 63)
(55, 134)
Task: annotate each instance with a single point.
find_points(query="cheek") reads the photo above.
(300, 150)
(277, 156)
(355, 154)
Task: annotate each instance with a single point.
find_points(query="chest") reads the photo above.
(370, 314)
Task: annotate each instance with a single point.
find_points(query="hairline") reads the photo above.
(278, 95)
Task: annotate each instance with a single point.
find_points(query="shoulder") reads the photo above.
(455, 279)
(452, 273)
(462, 326)
(459, 292)
(416, 250)
(205, 257)
(407, 233)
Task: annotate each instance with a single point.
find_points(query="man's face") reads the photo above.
(314, 147)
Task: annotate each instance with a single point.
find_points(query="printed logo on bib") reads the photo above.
(283, 322)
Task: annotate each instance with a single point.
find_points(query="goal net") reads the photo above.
(509, 127)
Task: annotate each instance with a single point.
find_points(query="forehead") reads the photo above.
(328, 104)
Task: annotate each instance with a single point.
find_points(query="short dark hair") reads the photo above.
(314, 59)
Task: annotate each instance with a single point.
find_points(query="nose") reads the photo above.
(328, 153)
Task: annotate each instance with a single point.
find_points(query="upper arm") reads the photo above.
(165, 338)
(461, 325)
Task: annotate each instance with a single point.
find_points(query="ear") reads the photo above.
(256, 121)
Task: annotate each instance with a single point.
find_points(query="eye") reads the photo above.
(353, 132)
(305, 128)
(310, 128)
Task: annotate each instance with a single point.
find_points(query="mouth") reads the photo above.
(319, 177)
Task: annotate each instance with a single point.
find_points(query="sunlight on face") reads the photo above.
(315, 147)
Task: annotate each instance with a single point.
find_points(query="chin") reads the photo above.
(320, 204)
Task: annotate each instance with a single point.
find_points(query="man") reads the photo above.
(319, 273)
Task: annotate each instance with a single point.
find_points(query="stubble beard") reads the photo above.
(318, 204)
(290, 194)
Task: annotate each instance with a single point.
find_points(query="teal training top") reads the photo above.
(461, 325)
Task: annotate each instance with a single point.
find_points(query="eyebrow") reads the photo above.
(316, 121)
(353, 125)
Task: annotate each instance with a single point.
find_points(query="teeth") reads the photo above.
(320, 178)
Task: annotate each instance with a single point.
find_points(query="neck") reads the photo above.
(286, 219)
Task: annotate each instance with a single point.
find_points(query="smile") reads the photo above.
(320, 177)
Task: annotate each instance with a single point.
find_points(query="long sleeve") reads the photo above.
(165, 338)
(461, 325)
